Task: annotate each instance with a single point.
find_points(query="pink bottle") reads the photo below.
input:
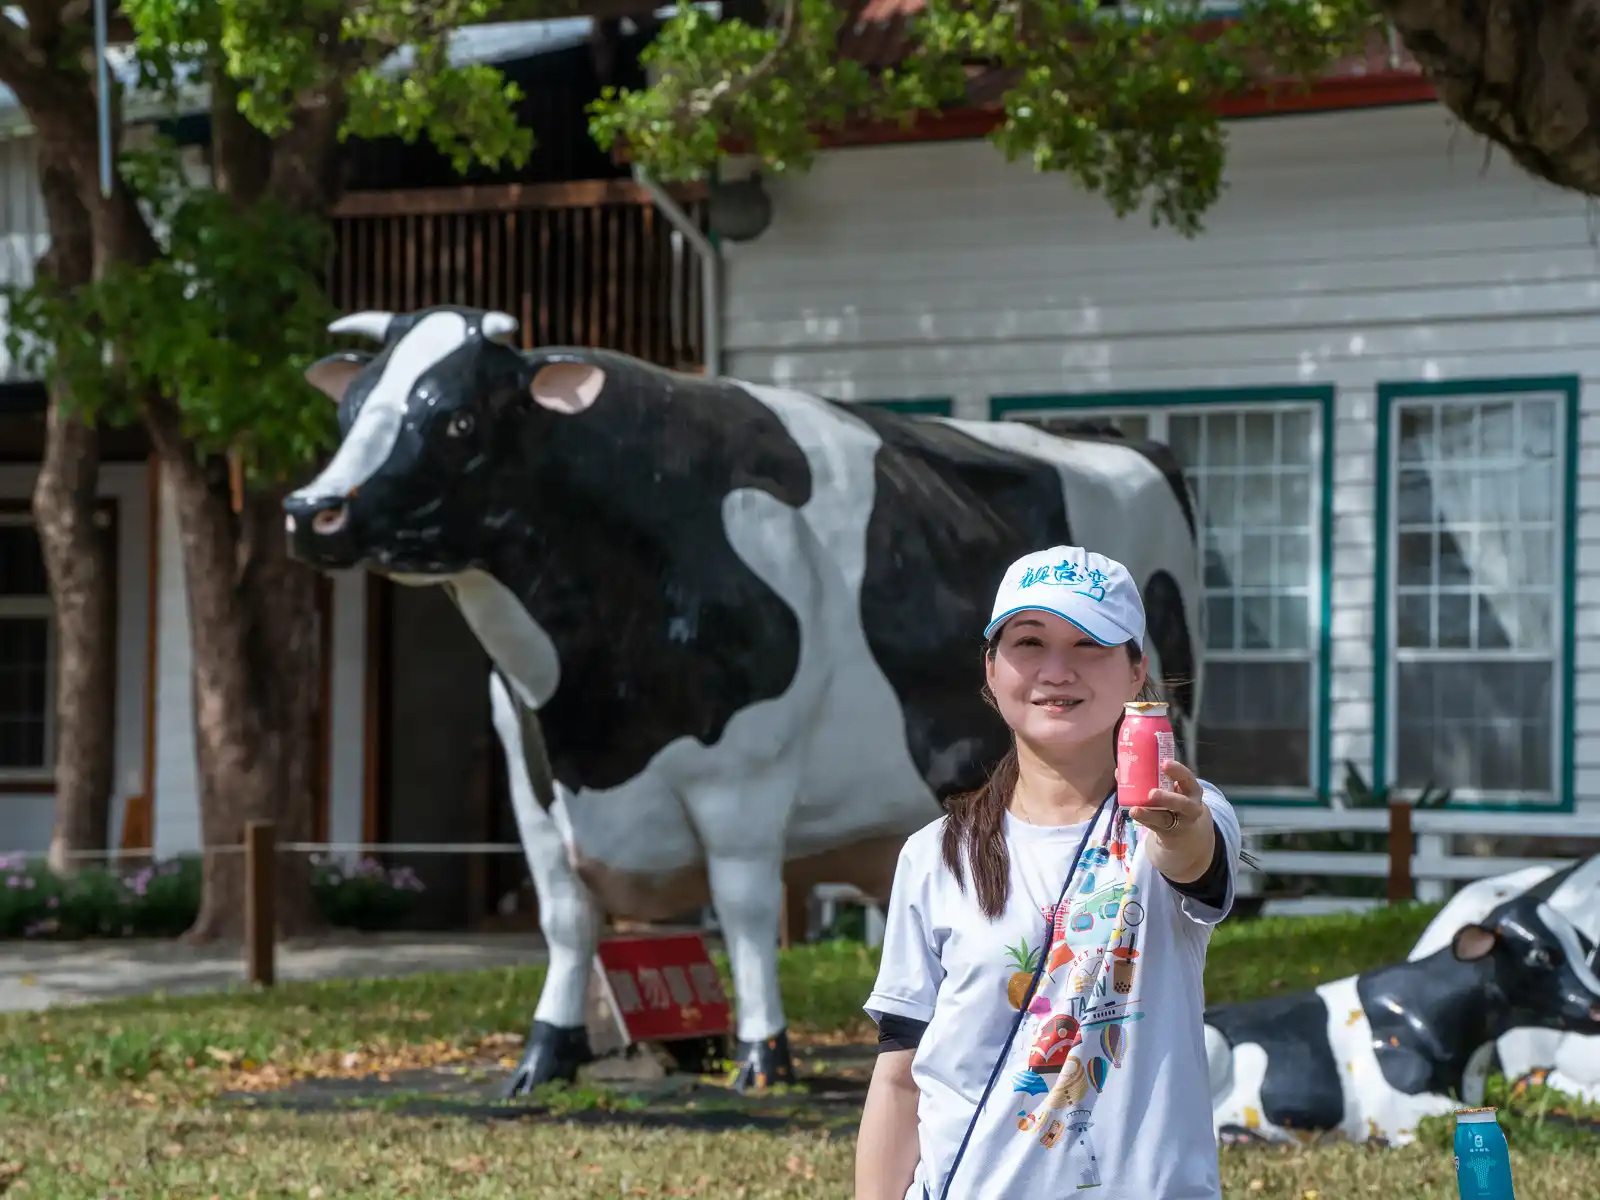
(1143, 743)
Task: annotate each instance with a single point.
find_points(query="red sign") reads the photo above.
(665, 987)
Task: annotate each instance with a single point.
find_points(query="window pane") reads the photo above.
(24, 691)
(1476, 516)
(1222, 439)
(1260, 439)
(1183, 435)
(1415, 628)
(1482, 725)
(1294, 440)
(21, 562)
(1134, 428)
(1255, 724)
(1537, 420)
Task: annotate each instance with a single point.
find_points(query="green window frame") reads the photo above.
(1476, 573)
(1245, 593)
(937, 406)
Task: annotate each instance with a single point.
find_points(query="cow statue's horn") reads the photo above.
(499, 326)
(373, 324)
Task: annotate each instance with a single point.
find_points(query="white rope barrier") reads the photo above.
(285, 847)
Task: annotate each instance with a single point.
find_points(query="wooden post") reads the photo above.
(1401, 843)
(260, 916)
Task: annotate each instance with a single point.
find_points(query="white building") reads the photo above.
(1379, 361)
(1373, 362)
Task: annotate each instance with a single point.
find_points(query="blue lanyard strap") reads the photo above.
(1016, 1024)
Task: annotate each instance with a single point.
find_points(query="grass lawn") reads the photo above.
(122, 1099)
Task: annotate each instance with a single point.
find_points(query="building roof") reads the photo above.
(879, 32)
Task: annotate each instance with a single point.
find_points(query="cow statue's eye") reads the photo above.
(460, 425)
(1539, 957)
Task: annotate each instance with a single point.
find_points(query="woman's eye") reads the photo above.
(460, 425)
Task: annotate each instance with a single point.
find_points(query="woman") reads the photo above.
(1095, 1078)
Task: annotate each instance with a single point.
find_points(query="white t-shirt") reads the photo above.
(947, 964)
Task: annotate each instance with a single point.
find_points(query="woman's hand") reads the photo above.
(1182, 835)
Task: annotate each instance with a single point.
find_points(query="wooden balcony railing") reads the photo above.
(587, 263)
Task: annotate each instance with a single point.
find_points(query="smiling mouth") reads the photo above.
(1059, 704)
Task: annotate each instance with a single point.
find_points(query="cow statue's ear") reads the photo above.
(567, 387)
(332, 375)
(1472, 942)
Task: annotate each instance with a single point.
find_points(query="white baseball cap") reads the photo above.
(1092, 591)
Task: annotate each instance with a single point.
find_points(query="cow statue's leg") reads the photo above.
(742, 826)
(558, 1043)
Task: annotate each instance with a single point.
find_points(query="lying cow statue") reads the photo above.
(1570, 1060)
(1366, 1057)
(748, 619)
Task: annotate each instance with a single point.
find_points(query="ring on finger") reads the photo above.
(1172, 821)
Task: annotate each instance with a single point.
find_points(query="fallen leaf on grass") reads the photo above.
(380, 1062)
(473, 1164)
(573, 1151)
(10, 1173)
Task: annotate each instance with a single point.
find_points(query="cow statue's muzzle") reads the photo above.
(321, 531)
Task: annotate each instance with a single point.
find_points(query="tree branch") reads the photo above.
(726, 91)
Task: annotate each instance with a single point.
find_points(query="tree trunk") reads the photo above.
(255, 659)
(77, 557)
(1520, 72)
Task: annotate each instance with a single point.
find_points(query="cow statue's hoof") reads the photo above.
(764, 1063)
(552, 1053)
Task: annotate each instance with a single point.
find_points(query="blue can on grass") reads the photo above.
(1483, 1160)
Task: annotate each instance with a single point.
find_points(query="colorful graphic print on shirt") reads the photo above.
(1075, 1028)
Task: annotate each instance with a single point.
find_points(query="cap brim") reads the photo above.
(1103, 630)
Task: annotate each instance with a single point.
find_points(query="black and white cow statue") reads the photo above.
(747, 619)
(1570, 1061)
(1366, 1057)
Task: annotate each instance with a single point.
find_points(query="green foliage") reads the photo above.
(1121, 99)
(225, 323)
(162, 899)
(771, 88)
(274, 54)
(151, 901)
(468, 112)
(364, 895)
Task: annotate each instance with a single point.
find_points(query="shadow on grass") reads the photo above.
(472, 1092)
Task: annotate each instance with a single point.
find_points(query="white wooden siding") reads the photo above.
(1349, 248)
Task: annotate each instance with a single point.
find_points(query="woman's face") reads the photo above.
(1055, 685)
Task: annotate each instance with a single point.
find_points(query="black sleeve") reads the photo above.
(1211, 889)
(896, 1032)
